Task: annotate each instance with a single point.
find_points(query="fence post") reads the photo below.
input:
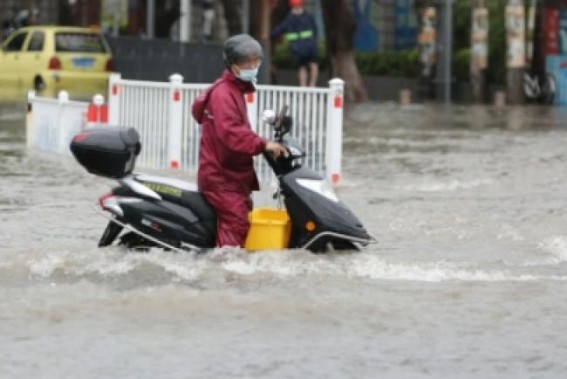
(62, 99)
(30, 122)
(175, 122)
(97, 111)
(114, 99)
(252, 109)
(334, 151)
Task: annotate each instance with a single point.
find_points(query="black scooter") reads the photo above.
(172, 214)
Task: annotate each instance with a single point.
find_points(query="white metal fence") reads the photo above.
(52, 123)
(161, 112)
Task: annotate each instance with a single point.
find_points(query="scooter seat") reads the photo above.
(179, 192)
(195, 201)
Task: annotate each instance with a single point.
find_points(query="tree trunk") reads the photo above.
(340, 28)
(262, 34)
(65, 14)
(516, 44)
(165, 18)
(232, 16)
(426, 15)
(479, 50)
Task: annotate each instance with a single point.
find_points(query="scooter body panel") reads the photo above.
(174, 213)
(169, 222)
(315, 210)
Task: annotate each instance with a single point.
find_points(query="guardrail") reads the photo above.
(161, 112)
(51, 123)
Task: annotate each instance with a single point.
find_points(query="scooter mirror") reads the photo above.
(269, 117)
(285, 124)
(280, 117)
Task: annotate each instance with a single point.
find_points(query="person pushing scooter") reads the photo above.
(226, 175)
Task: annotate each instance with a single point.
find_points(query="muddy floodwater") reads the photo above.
(468, 278)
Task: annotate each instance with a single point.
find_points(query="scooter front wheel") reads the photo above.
(110, 233)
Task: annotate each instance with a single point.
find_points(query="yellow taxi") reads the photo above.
(53, 58)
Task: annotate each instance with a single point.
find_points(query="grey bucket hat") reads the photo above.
(240, 48)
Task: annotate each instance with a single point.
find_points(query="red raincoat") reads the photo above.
(226, 173)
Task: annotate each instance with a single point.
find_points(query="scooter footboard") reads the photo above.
(329, 241)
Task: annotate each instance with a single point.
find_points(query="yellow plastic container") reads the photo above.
(269, 229)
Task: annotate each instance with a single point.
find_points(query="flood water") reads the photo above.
(468, 278)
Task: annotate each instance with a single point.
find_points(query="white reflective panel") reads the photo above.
(111, 204)
(319, 186)
(173, 182)
(140, 188)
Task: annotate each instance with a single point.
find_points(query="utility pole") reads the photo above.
(448, 52)
(150, 19)
(245, 16)
(426, 13)
(185, 21)
(531, 23)
(516, 49)
(264, 39)
(444, 72)
(479, 49)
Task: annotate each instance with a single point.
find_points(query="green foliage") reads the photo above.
(406, 63)
(281, 56)
(402, 63)
(461, 64)
(496, 70)
(393, 63)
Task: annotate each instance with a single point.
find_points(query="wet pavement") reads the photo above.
(467, 279)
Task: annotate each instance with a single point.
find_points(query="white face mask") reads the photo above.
(248, 75)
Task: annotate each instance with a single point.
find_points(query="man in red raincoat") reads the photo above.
(226, 175)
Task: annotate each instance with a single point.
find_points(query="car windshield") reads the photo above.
(79, 43)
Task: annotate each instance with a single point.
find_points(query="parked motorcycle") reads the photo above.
(153, 211)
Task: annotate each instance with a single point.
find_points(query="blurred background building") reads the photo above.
(383, 24)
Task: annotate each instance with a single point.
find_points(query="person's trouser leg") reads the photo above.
(232, 210)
